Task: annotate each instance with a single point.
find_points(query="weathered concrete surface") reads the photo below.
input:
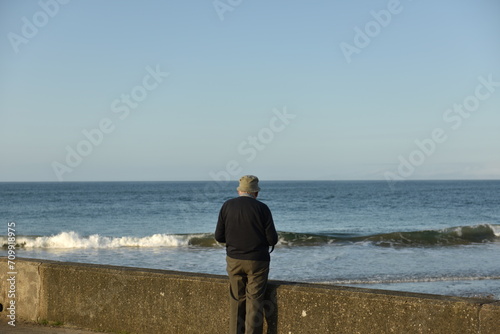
(30, 328)
(27, 287)
(490, 319)
(132, 300)
(127, 299)
(353, 310)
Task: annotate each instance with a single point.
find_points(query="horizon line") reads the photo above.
(261, 180)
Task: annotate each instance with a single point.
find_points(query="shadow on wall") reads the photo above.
(271, 310)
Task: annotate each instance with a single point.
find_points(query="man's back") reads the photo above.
(246, 226)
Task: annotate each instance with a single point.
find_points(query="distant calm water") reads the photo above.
(439, 237)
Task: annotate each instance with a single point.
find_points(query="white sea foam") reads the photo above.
(496, 230)
(456, 230)
(74, 240)
(412, 280)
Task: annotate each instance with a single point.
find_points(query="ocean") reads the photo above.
(438, 237)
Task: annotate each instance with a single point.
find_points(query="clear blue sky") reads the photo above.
(314, 90)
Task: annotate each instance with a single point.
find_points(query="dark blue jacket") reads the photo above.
(246, 226)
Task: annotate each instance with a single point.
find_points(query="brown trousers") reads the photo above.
(248, 281)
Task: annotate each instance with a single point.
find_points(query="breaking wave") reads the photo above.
(462, 235)
(74, 240)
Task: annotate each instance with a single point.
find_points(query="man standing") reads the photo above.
(246, 226)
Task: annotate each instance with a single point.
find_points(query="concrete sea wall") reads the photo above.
(133, 300)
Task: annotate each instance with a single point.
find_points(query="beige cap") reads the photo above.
(249, 184)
